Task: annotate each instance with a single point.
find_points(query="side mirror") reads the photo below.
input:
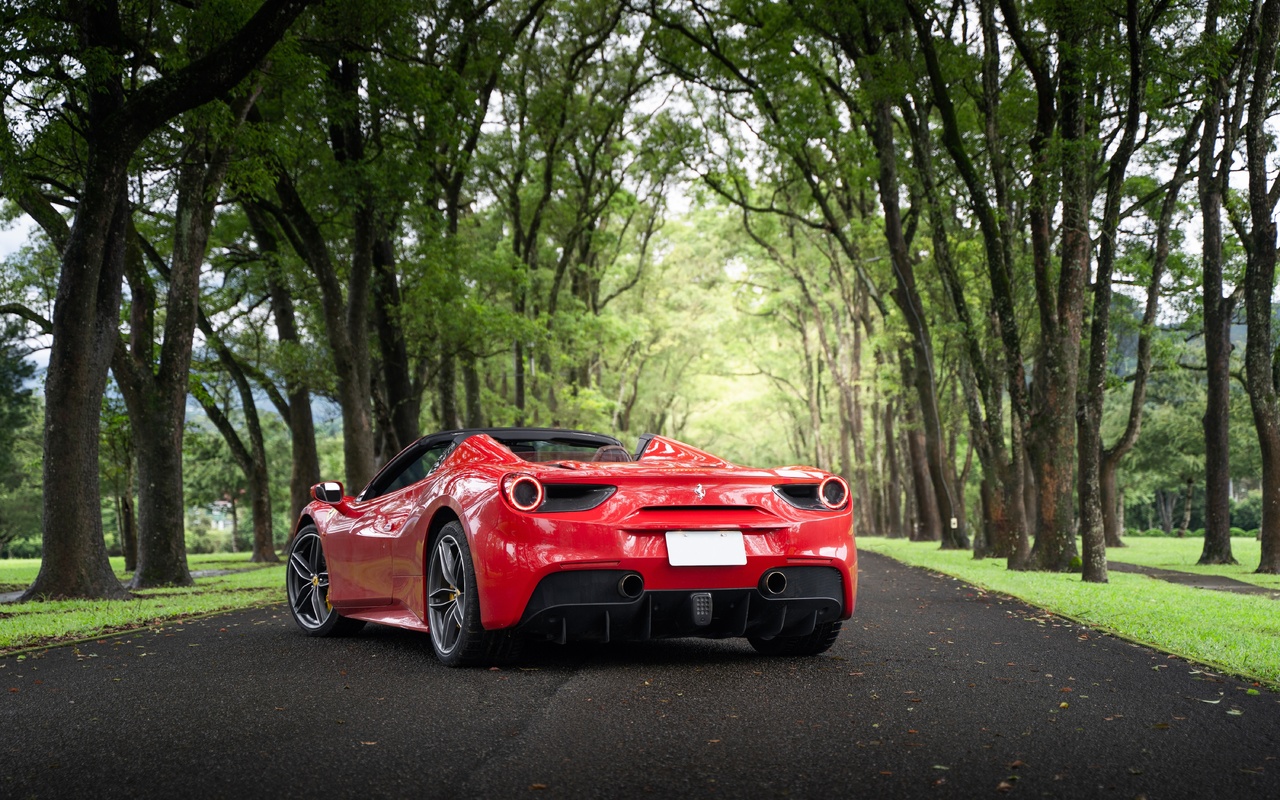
(328, 492)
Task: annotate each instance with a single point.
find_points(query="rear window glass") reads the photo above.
(552, 450)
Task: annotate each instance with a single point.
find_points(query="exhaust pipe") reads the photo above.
(631, 585)
(775, 583)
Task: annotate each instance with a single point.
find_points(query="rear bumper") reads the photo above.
(592, 605)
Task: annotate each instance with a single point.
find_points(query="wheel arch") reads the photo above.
(443, 516)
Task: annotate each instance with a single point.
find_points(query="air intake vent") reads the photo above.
(574, 496)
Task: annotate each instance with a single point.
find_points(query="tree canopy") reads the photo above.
(1007, 265)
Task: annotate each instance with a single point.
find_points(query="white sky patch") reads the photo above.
(13, 235)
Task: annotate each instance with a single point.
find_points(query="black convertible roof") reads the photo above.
(522, 434)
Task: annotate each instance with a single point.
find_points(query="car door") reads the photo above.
(363, 575)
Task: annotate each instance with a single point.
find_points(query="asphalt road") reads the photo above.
(933, 690)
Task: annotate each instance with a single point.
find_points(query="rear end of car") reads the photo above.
(635, 551)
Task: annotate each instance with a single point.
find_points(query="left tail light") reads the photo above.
(524, 492)
(833, 492)
(527, 493)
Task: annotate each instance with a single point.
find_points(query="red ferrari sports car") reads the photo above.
(486, 538)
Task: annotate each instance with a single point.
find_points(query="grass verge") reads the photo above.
(42, 623)
(1236, 634)
(1182, 555)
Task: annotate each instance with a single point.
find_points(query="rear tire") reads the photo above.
(307, 583)
(824, 635)
(453, 606)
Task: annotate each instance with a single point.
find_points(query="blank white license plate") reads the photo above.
(706, 549)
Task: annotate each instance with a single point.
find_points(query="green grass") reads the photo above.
(41, 623)
(1182, 555)
(1237, 634)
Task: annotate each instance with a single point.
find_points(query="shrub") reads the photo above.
(1239, 533)
(1247, 513)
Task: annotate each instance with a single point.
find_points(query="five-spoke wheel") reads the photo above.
(307, 582)
(453, 605)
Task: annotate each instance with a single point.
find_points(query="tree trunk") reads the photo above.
(997, 234)
(1164, 509)
(1111, 499)
(156, 394)
(893, 485)
(345, 323)
(1092, 527)
(87, 306)
(1215, 167)
(447, 386)
(471, 387)
(305, 462)
(404, 404)
(1186, 509)
(128, 526)
(1261, 358)
(1052, 436)
(907, 297)
(928, 526)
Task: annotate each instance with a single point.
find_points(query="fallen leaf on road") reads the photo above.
(1235, 712)
(1004, 786)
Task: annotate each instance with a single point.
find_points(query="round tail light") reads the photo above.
(524, 492)
(833, 492)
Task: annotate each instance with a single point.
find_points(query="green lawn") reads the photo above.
(26, 625)
(1237, 634)
(1182, 555)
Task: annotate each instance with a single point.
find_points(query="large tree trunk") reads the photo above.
(85, 319)
(1052, 438)
(156, 394)
(87, 306)
(1261, 357)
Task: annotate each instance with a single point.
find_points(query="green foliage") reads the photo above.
(20, 449)
(1247, 512)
